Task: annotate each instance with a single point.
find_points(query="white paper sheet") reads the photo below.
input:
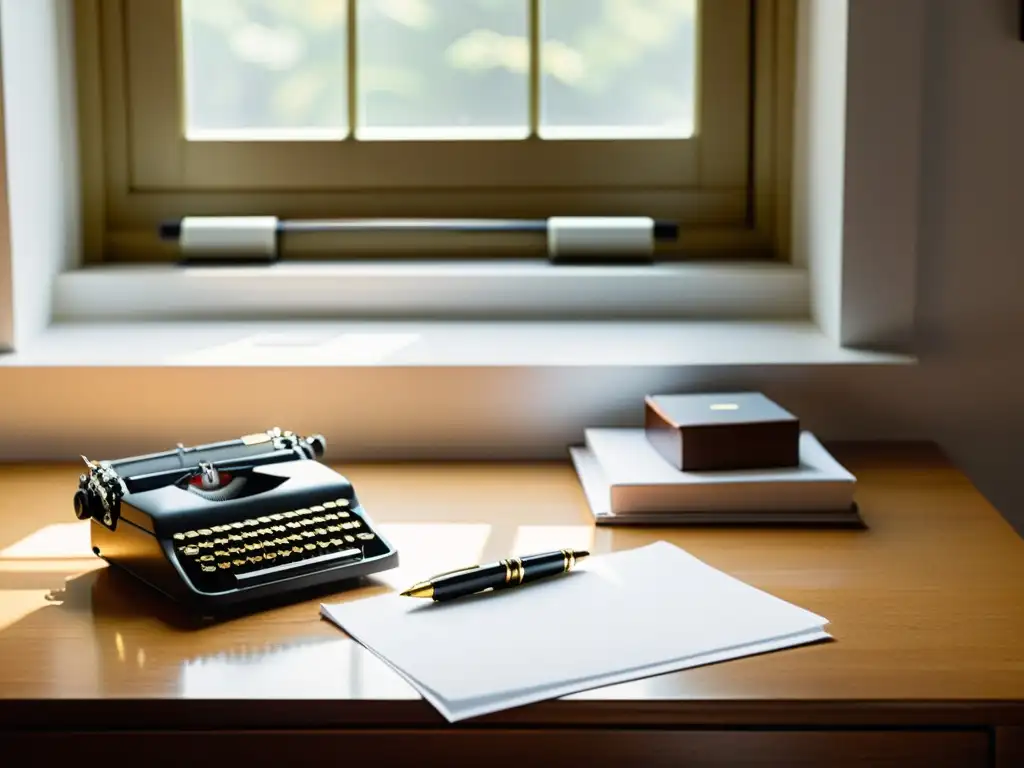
(618, 617)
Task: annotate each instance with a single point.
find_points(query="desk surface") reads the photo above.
(926, 607)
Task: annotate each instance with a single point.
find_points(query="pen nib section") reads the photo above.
(423, 589)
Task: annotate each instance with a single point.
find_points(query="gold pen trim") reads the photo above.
(565, 560)
(423, 589)
(508, 571)
(521, 570)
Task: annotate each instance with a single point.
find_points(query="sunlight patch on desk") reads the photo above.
(16, 604)
(59, 541)
(430, 548)
(301, 350)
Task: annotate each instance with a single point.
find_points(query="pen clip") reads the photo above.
(452, 573)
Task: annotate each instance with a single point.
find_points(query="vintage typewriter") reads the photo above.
(225, 524)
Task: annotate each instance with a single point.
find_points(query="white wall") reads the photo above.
(41, 155)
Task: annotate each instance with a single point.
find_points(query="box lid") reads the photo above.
(732, 408)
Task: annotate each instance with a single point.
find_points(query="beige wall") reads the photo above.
(971, 305)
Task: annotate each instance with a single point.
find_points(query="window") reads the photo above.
(674, 109)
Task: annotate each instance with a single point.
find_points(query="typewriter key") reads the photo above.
(238, 563)
(330, 516)
(365, 536)
(224, 565)
(191, 535)
(210, 568)
(256, 558)
(236, 525)
(277, 516)
(222, 554)
(318, 519)
(329, 505)
(206, 545)
(205, 532)
(206, 559)
(342, 502)
(297, 550)
(316, 509)
(221, 541)
(323, 544)
(179, 537)
(297, 513)
(278, 528)
(269, 555)
(310, 547)
(343, 514)
(263, 520)
(320, 531)
(191, 550)
(333, 528)
(350, 539)
(336, 542)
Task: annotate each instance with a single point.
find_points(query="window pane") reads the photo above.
(443, 69)
(618, 68)
(265, 69)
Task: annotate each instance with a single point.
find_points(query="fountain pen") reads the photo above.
(501, 575)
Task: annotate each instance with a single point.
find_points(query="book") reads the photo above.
(621, 616)
(626, 481)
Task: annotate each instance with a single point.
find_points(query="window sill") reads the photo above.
(526, 314)
(418, 344)
(522, 290)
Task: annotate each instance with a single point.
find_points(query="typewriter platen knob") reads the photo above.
(82, 506)
(318, 443)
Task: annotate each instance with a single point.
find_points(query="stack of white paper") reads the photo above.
(618, 617)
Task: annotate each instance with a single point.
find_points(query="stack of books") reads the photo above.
(753, 466)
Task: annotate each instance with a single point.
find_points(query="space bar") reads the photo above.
(345, 554)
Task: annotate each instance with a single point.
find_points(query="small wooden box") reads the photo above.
(722, 431)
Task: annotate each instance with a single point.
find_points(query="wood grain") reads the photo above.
(700, 749)
(926, 607)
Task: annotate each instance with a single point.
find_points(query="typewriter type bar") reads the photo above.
(229, 523)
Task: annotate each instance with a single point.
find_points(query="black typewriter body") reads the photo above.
(227, 526)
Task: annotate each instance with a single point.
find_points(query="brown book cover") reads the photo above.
(716, 432)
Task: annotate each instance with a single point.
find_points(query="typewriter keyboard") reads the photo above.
(263, 549)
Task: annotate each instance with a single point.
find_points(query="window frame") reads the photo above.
(728, 188)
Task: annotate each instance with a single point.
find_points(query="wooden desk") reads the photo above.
(927, 608)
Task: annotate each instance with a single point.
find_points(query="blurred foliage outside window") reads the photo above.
(444, 69)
